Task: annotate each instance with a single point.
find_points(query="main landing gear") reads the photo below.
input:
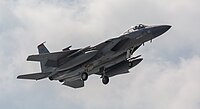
(105, 79)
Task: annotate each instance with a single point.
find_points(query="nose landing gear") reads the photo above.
(84, 76)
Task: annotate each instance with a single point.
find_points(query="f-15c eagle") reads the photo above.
(107, 59)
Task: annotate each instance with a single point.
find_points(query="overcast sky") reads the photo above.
(167, 78)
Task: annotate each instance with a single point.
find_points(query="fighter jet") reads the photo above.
(112, 57)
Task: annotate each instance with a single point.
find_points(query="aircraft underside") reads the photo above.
(107, 59)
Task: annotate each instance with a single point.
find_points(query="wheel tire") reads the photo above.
(84, 76)
(61, 80)
(130, 64)
(105, 80)
(51, 78)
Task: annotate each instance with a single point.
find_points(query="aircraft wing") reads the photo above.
(74, 84)
(50, 56)
(34, 76)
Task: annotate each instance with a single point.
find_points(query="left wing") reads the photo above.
(50, 56)
(74, 84)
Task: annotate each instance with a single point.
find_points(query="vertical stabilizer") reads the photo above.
(43, 50)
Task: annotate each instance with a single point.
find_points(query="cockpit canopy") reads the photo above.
(137, 27)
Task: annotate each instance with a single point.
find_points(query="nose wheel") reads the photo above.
(105, 80)
(84, 76)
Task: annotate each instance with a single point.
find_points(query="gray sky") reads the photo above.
(168, 77)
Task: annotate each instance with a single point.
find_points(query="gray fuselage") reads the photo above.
(110, 52)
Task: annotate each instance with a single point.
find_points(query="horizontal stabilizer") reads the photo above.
(34, 76)
(74, 84)
(51, 63)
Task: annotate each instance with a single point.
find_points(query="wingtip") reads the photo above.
(42, 44)
(19, 77)
(29, 58)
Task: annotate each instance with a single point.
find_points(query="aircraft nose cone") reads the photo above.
(158, 30)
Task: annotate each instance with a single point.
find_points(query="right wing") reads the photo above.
(34, 76)
(74, 84)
